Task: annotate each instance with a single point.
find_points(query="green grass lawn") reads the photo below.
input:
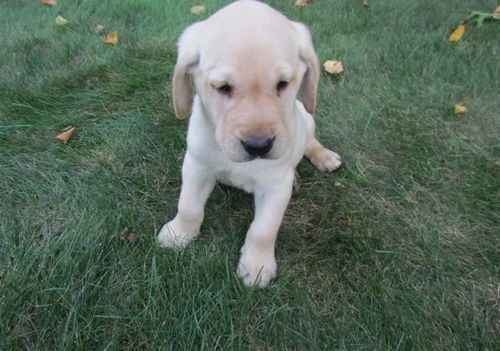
(399, 250)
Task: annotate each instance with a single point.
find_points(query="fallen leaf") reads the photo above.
(99, 29)
(49, 2)
(365, 3)
(111, 38)
(197, 9)
(66, 134)
(334, 66)
(497, 11)
(130, 237)
(411, 197)
(459, 109)
(302, 3)
(61, 21)
(457, 34)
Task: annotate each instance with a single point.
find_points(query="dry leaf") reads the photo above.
(334, 66)
(49, 2)
(66, 134)
(457, 34)
(302, 3)
(411, 197)
(197, 9)
(130, 237)
(497, 11)
(111, 38)
(365, 3)
(61, 21)
(459, 109)
(99, 29)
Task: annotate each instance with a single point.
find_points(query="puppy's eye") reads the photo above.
(282, 85)
(225, 89)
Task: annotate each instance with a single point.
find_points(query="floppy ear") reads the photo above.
(309, 87)
(187, 58)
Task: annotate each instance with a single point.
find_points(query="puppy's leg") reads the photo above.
(257, 266)
(197, 184)
(320, 156)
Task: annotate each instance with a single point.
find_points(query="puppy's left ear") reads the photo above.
(187, 58)
(309, 87)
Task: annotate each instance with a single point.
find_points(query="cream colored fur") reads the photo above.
(250, 47)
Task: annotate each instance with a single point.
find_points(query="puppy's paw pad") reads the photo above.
(169, 237)
(257, 272)
(327, 160)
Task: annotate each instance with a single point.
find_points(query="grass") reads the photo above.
(399, 250)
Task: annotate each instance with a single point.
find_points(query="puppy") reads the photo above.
(255, 75)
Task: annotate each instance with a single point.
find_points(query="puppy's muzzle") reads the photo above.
(258, 146)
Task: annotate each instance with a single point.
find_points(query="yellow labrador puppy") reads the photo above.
(255, 76)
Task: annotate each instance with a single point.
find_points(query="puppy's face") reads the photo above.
(249, 94)
(248, 76)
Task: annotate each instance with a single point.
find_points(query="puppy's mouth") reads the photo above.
(254, 158)
(245, 157)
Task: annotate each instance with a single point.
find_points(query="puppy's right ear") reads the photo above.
(309, 88)
(187, 58)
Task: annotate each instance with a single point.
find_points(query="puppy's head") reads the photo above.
(248, 63)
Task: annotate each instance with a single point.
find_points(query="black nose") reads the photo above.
(257, 145)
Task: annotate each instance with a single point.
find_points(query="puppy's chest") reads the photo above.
(236, 179)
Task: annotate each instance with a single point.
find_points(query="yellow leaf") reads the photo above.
(497, 11)
(457, 34)
(459, 109)
(49, 2)
(197, 9)
(333, 66)
(111, 38)
(65, 135)
(61, 21)
(302, 3)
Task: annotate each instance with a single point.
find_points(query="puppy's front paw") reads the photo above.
(256, 269)
(172, 236)
(326, 160)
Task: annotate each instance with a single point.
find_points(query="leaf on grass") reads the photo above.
(197, 9)
(302, 3)
(61, 21)
(457, 34)
(66, 134)
(99, 29)
(111, 38)
(333, 66)
(497, 11)
(459, 109)
(131, 237)
(49, 2)
(128, 235)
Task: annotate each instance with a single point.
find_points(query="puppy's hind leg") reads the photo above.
(197, 184)
(323, 158)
